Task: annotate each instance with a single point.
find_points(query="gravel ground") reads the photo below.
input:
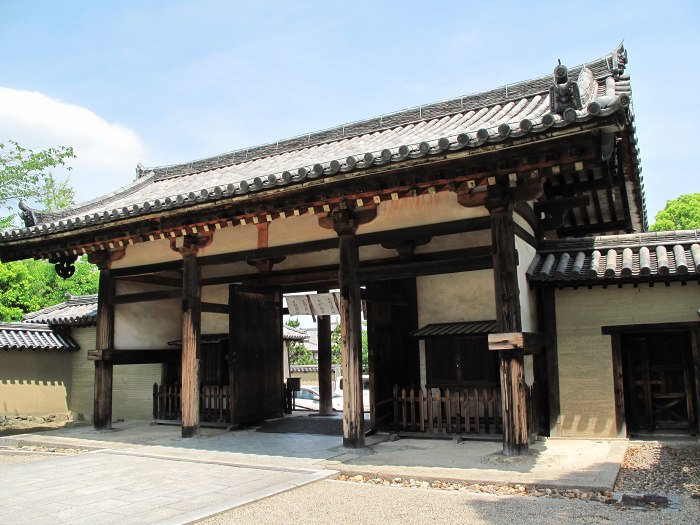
(648, 468)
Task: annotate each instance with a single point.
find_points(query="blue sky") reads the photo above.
(164, 82)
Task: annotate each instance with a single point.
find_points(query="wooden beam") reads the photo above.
(528, 343)
(147, 269)
(548, 321)
(136, 357)
(695, 353)
(143, 297)
(682, 326)
(215, 308)
(159, 280)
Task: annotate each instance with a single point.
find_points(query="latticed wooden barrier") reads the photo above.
(214, 403)
(471, 410)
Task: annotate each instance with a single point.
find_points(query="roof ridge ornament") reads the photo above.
(619, 62)
(564, 94)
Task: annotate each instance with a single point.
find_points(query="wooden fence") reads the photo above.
(214, 403)
(471, 410)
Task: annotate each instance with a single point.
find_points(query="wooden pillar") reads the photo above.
(102, 393)
(325, 380)
(188, 247)
(351, 330)
(508, 319)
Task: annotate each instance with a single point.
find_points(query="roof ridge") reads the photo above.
(603, 65)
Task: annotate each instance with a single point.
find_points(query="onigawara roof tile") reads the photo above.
(80, 310)
(32, 336)
(468, 122)
(641, 257)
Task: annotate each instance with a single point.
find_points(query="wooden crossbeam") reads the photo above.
(529, 343)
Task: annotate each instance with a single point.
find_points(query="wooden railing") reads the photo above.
(471, 410)
(214, 403)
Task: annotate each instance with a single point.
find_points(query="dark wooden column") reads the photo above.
(549, 326)
(351, 330)
(508, 319)
(325, 382)
(104, 341)
(188, 247)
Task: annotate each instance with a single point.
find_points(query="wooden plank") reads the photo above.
(527, 342)
(215, 308)
(135, 356)
(158, 295)
(650, 328)
(191, 329)
(158, 280)
(549, 324)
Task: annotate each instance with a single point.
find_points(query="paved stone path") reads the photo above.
(114, 487)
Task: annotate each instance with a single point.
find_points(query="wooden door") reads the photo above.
(393, 354)
(255, 358)
(659, 381)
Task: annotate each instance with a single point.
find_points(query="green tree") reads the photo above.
(337, 346)
(682, 213)
(30, 285)
(27, 175)
(299, 354)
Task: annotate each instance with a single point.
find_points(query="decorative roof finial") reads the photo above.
(564, 96)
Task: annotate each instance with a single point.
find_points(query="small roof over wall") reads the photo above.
(615, 259)
(79, 310)
(29, 336)
(460, 329)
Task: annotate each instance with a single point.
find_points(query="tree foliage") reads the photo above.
(682, 213)
(27, 175)
(337, 346)
(299, 354)
(30, 285)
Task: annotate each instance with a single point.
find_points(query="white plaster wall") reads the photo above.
(150, 252)
(585, 354)
(292, 230)
(232, 238)
(453, 297)
(416, 211)
(215, 323)
(517, 218)
(528, 296)
(148, 324)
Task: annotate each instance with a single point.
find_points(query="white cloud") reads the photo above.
(107, 153)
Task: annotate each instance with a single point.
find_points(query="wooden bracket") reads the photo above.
(346, 221)
(528, 342)
(264, 266)
(405, 248)
(191, 244)
(103, 259)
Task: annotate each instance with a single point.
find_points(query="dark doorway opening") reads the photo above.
(659, 382)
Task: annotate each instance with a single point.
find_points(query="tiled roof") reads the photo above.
(456, 329)
(293, 334)
(76, 311)
(651, 256)
(468, 122)
(28, 336)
